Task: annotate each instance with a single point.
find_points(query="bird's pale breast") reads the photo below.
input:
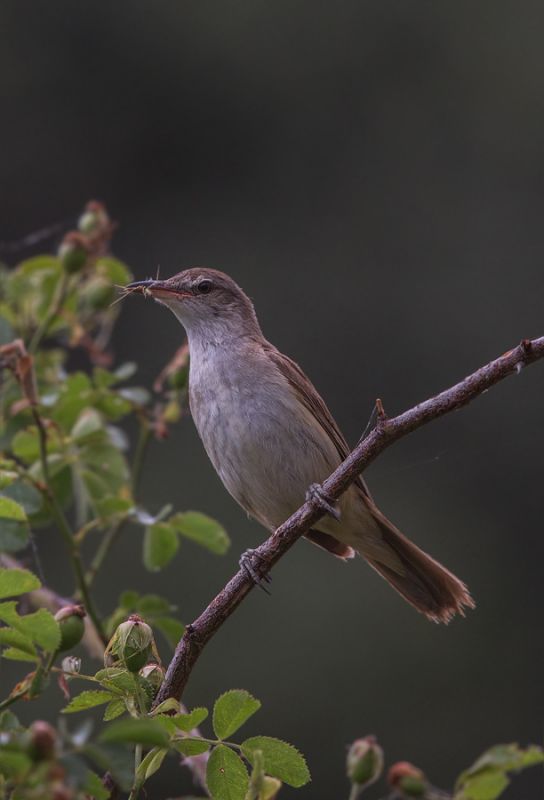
(262, 441)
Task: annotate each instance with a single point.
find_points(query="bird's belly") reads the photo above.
(266, 449)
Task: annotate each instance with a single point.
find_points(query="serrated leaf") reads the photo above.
(160, 545)
(13, 764)
(201, 529)
(226, 775)
(231, 710)
(17, 581)
(13, 638)
(167, 706)
(114, 758)
(11, 510)
(88, 699)
(188, 722)
(191, 746)
(26, 495)
(40, 627)
(114, 709)
(15, 654)
(137, 731)
(281, 760)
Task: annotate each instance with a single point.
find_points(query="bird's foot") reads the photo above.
(250, 562)
(321, 500)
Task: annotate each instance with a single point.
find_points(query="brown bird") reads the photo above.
(272, 439)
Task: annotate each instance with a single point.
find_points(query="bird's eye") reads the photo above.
(204, 286)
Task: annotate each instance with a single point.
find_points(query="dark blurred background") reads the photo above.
(372, 173)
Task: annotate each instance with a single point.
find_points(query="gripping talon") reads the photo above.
(317, 496)
(249, 562)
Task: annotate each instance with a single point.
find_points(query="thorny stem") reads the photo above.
(112, 534)
(64, 528)
(383, 435)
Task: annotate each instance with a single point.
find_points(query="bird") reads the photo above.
(273, 441)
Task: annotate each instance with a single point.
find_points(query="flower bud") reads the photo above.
(364, 761)
(43, 740)
(73, 252)
(72, 627)
(270, 788)
(94, 219)
(153, 673)
(407, 779)
(132, 643)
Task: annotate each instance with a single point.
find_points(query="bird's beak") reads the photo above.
(156, 289)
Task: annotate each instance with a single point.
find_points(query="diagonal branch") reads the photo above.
(382, 436)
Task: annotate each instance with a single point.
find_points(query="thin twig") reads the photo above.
(386, 431)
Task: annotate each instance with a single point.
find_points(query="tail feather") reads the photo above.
(423, 582)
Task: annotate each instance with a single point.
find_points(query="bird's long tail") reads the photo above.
(421, 580)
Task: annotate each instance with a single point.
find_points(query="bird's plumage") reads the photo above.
(270, 435)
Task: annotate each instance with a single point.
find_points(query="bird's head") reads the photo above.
(207, 303)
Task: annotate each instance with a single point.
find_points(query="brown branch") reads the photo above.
(386, 431)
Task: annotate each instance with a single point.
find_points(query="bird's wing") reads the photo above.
(309, 396)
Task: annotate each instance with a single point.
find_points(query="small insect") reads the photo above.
(126, 290)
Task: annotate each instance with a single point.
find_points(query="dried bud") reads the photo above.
(132, 643)
(72, 627)
(153, 673)
(71, 664)
(73, 252)
(43, 740)
(364, 761)
(407, 779)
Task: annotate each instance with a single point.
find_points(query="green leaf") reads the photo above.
(191, 746)
(11, 510)
(26, 495)
(487, 785)
(13, 638)
(87, 424)
(17, 581)
(88, 699)
(114, 758)
(137, 731)
(114, 709)
(15, 654)
(231, 710)
(160, 546)
(226, 775)
(14, 764)
(41, 627)
(167, 706)
(150, 764)
(7, 477)
(95, 788)
(14, 536)
(8, 722)
(201, 529)
(188, 722)
(281, 760)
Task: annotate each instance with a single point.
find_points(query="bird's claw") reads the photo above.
(321, 500)
(249, 562)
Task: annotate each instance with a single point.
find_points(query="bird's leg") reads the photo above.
(321, 500)
(250, 561)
